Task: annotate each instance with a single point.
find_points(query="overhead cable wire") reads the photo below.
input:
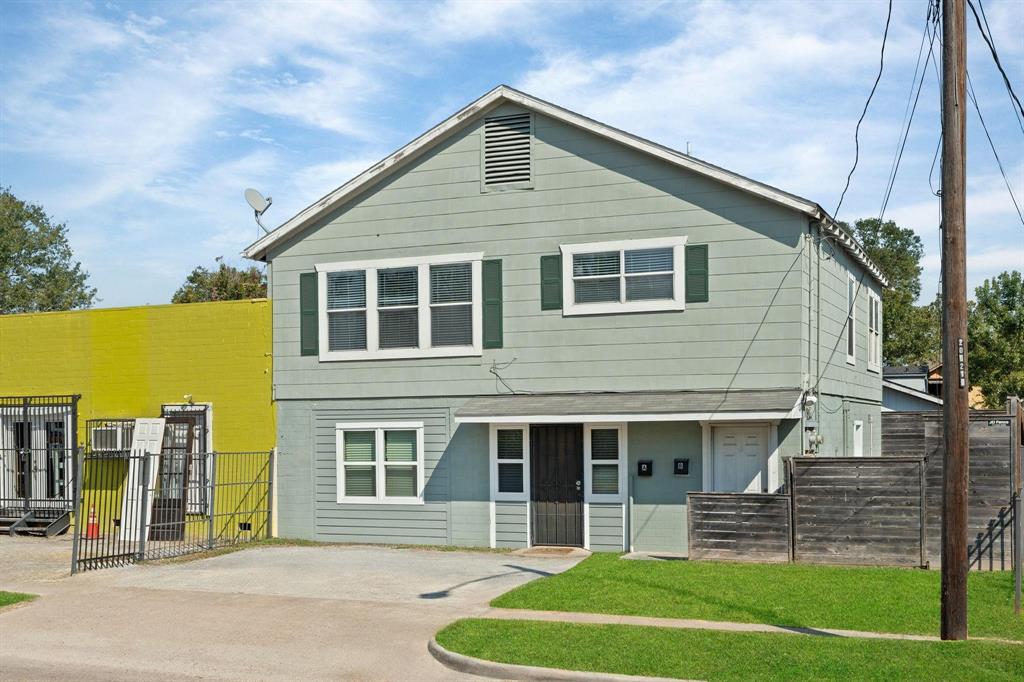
(908, 120)
(995, 57)
(1009, 188)
(856, 131)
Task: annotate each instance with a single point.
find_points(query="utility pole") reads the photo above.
(955, 385)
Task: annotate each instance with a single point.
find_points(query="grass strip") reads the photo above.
(714, 656)
(850, 598)
(9, 598)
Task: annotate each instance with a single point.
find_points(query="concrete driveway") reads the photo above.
(268, 613)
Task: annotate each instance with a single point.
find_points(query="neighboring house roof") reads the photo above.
(503, 93)
(632, 406)
(912, 370)
(920, 395)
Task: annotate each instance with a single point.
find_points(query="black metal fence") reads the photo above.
(38, 441)
(138, 506)
(992, 549)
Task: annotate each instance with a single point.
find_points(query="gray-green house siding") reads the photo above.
(759, 329)
(586, 189)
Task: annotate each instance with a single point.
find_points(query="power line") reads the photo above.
(995, 55)
(856, 131)
(1020, 121)
(974, 100)
(938, 79)
(908, 121)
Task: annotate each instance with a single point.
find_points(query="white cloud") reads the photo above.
(155, 122)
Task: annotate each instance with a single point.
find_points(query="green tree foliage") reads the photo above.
(37, 271)
(224, 283)
(910, 333)
(995, 328)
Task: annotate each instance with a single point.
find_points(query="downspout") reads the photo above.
(817, 350)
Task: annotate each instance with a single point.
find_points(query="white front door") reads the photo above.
(740, 459)
(858, 439)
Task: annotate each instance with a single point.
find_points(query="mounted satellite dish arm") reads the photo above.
(259, 206)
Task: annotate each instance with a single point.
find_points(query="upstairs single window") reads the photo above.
(507, 150)
(874, 331)
(628, 276)
(851, 320)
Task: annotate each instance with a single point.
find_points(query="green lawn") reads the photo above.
(8, 598)
(708, 655)
(878, 599)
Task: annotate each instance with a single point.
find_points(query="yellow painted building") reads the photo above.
(196, 377)
(130, 362)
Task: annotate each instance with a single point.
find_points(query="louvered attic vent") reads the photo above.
(506, 149)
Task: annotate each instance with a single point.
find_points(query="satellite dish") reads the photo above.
(256, 200)
(259, 205)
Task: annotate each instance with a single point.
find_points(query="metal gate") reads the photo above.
(136, 506)
(37, 460)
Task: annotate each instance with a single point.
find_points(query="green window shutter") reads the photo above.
(493, 325)
(697, 273)
(551, 282)
(309, 332)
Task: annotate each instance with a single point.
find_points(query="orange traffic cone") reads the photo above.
(92, 528)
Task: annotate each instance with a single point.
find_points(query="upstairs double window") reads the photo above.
(427, 307)
(629, 276)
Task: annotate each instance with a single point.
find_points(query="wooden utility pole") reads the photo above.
(955, 384)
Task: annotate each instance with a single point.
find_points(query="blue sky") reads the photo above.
(139, 124)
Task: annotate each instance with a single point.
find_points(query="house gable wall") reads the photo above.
(585, 189)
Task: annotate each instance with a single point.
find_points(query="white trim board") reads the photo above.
(258, 250)
(793, 413)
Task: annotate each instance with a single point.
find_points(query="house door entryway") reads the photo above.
(556, 478)
(740, 459)
(171, 493)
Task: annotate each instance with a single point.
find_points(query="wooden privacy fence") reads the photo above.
(994, 470)
(875, 510)
(748, 527)
(868, 510)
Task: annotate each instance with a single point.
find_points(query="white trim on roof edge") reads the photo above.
(900, 388)
(503, 93)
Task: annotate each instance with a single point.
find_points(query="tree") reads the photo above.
(37, 272)
(225, 283)
(995, 328)
(910, 333)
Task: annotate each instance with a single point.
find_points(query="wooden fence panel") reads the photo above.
(865, 510)
(989, 466)
(739, 526)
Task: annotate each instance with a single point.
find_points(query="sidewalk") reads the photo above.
(694, 624)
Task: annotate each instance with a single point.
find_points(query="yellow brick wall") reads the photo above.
(126, 362)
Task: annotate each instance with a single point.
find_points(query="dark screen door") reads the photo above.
(556, 490)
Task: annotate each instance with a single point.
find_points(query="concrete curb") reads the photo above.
(508, 671)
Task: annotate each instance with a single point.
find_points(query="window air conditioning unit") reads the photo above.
(107, 438)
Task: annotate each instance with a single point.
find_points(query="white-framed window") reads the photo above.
(510, 462)
(874, 331)
(851, 320)
(604, 462)
(379, 462)
(624, 276)
(428, 306)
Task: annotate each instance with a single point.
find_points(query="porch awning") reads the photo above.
(540, 408)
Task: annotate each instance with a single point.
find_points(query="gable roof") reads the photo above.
(503, 93)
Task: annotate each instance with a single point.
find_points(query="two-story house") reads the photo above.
(529, 328)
